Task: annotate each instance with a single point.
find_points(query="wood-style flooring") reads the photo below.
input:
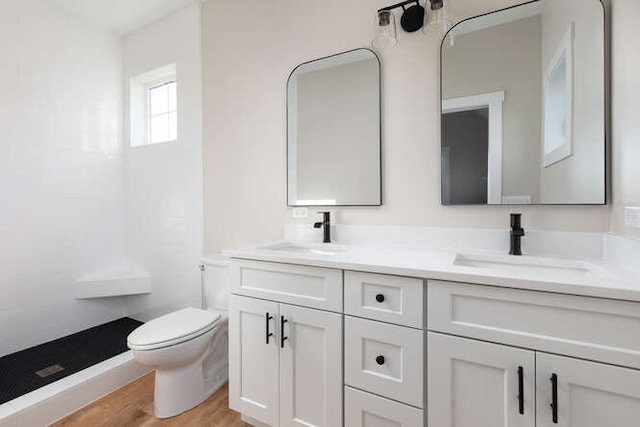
(132, 405)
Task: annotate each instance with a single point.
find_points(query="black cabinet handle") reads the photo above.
(268, 334)
(521, 389)
(380, 360)
(380, 298)
(282, 337)
(554, 398)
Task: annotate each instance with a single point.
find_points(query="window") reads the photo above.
(153, 107)
(163, 113)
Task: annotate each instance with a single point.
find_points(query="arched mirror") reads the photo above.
(523, 106)
(333, 131)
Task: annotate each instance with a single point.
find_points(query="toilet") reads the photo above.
(188, 348)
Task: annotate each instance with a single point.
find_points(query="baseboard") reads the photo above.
(252, 422)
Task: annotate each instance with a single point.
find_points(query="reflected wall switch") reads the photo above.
(632, 217)
(300, 212)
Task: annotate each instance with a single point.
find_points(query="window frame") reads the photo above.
(165, 81)
(139, 104)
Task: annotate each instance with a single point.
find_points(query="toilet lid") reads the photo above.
(172, 328)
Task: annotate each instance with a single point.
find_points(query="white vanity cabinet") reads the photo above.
(473, 383)
(285, 361)
(425, 354)
(383, 350)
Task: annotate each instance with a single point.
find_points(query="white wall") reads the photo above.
(164, 181)
(244, 109)
(61, 192)
(625, 111)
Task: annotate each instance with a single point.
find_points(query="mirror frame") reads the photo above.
(379, 131)
(606, 84)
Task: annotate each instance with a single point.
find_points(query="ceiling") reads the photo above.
(121, 16)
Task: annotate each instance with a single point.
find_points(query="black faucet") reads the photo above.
(326, 226)
(516, 234)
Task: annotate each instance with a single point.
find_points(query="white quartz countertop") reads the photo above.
(574, 276)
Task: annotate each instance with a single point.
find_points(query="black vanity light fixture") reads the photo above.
(414, 17)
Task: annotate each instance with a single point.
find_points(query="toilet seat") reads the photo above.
(173, 328)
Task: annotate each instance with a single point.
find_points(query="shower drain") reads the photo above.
(49, 370)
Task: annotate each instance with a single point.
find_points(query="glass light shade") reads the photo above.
(385, 30)
(436, 20)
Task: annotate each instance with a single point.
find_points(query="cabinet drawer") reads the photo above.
(300, 285)
(366, 410)
(384, 359)
(589, 328)
(391, 299)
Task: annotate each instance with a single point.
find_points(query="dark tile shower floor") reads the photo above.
(30, 369)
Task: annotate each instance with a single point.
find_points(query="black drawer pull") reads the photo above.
(282, 337)
(380, 298)
(268, 334)
(521, 389)
(554, 398)
(380, 360)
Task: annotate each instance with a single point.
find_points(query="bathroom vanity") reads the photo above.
(332, 335)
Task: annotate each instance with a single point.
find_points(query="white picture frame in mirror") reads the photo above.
(558, 103)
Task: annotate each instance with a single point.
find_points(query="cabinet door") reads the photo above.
(588, 394)
(253, 363)
(310, 368)
(473, 383)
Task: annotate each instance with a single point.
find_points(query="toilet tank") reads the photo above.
(215, 281)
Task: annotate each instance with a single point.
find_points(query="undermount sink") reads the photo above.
(532, 266)
(308, 248)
